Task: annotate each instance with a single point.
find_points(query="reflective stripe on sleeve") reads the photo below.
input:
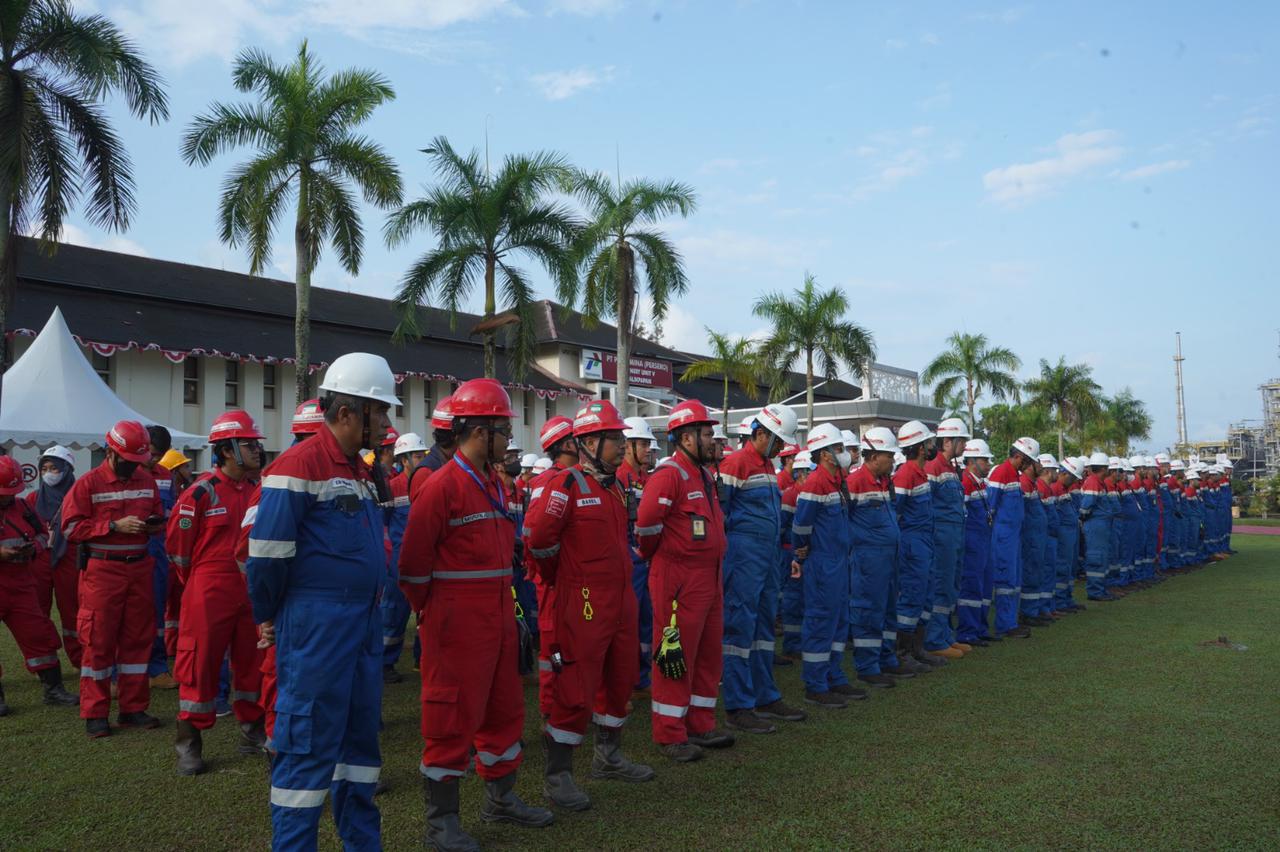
(268, 549)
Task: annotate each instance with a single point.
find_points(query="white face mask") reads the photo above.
(53, 478)
(844, 458)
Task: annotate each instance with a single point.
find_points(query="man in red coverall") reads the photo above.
(577, 537)
(22, 537)
(202, 537)
(680, 530)
(455, 569)
(112, 510)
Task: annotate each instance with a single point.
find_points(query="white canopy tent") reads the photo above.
(52, 395)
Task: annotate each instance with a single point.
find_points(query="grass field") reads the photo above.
(1116, 728)
(1258, 522)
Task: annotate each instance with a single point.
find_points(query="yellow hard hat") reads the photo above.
(173, 460)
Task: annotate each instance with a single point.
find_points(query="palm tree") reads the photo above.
(953, 405)
(619, 229)
(483, 221)
(809, 328)
(303, 129)
(1067, 391)
(56, 68)
(1130, 418)
(1002, 424)
(970, 361)
(734, 359)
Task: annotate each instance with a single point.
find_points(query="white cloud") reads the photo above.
(1005, 16)
(941, 97)
(728, 164)
(559, 85)
(930, 40)
(586, 8)
(77, 236)
(1076, 154)
(1153, 169)
(894, 44)
(404, 14)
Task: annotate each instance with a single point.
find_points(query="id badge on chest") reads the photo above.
(698, 526)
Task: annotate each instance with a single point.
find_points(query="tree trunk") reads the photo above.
(1059, 443)
(8, 270)
(808, 390)
(726, 403)
(626, 305)
(302, 291)
(490, 308)
(973, 423)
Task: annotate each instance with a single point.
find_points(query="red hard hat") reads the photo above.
(10, 476)
(689, 413)
(481, 398)
(597, 417)
(232, 426)
(442, 417)
(307, 418)
(553, 431)
(392, 437)
(788, 450)
(129, 440)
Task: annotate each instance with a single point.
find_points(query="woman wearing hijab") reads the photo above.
(58, 579)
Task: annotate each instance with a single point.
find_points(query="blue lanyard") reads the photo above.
(502, 509)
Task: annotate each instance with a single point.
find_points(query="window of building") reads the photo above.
(428, 396)
(402, 387)
(233, 384)
(528, 408)
(191, 381)
(269, 386)
(551, 408)
(101, 366)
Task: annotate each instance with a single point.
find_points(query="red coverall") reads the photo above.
(577, 538)
(455, 569)
(117, 622)
(35, 634)
(64, 587)
(546, 595)
(680, 500)
(201, 540)
(267, 690)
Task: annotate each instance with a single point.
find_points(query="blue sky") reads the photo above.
(1078, 179)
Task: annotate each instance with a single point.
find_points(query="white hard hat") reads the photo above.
(529, 460)
(976, 448)
(540, 465)
(513, 446)
(1099, 460)
(1193, 474)
(1177, 464)
(1029, 447)
(1126, 466)
(1048, 461)
(899, 459)
(717, 433)
(1071, 467)
(1113, 463)
(57, 451)
(780, 420)
(1162, 458)
(1136, 462)
(822, 436)
(804, 460)
(744, 428)
(880, 439)
(953, 427)
(913, 432)
(410, 442)
(1226, 463)
(850, 439)
(638, 429)
(362, 375)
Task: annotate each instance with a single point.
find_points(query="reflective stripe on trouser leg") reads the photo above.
(1048, 574)
(748, 562)
(326, 723)
(1096, 542)
(871, 597)
(763, 646)
(971, 615)
(915, 562)
(792, 607)
(826, 594)
(948, 556)
(1032, 548)
(395, 619)
(700, 621)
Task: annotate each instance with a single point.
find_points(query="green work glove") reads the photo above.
(670, 656)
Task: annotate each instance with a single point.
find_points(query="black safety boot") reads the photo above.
(137, 719)
(54, 693)
(781, 710)
(501, 804)
(849, 692)
(714, 738)
(829, 700)
(558, 787)
(609, 761)
(253, 738)
(685, 752)
(749, 722)
(444, 829)
(188, 745)
(879, 681)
